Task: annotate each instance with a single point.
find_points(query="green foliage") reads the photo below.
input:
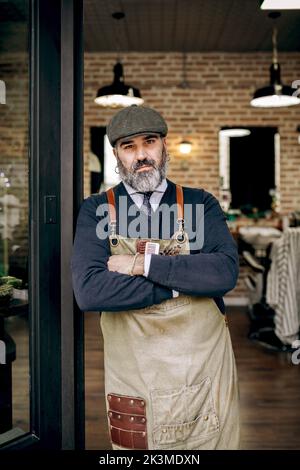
(11, 281)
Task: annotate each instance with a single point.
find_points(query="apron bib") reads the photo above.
(170, 372)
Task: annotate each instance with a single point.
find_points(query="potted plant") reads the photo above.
(8, 286)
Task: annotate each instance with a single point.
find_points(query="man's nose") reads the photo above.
(140, 153)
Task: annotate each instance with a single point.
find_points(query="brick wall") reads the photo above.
(221, 86)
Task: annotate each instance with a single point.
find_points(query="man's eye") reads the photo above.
(127, 147)
(150, 141)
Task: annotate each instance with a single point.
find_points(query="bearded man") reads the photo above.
(155, 258)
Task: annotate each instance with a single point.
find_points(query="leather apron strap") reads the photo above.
(112, 216)
(112, 208)
(180, 235)
(179, 200)
(112, 205)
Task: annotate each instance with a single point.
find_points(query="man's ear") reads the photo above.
(164, 139)
(115, 151)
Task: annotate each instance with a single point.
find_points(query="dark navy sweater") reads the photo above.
(210, 271)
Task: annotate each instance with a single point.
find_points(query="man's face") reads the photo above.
(142, 161)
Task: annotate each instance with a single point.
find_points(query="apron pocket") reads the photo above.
(185, 413)
(201, 428)
(171, 304)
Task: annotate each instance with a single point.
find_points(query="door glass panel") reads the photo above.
(14, 208)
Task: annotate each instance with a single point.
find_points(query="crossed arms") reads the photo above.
(100, 282)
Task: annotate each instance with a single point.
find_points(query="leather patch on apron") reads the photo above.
(140, 246)
(127, 421)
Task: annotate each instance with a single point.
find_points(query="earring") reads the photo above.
(116, 170)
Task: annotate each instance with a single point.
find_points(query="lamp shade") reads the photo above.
(118, 94)
(185, 147)
(275, 95)
(280, 5)
(234, 131)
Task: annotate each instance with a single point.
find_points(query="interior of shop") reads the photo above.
(200, 64)
(208, 67)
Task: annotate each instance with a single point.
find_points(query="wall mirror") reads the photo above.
(249, 169)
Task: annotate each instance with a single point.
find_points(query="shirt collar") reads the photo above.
(159, 189)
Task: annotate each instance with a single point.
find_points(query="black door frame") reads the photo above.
(72, 319)
(55, 183)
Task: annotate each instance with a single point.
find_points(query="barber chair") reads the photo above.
(256, 247)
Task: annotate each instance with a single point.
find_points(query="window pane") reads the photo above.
(14, 236)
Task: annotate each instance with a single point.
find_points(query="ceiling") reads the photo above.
(165, 25)
(186, 25)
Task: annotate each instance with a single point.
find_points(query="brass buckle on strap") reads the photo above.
(113, 237)
(180, 234)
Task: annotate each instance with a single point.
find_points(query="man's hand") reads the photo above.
(123, 264)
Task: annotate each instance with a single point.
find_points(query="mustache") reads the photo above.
(147, 162)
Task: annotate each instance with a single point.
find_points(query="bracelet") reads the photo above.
(133, 263)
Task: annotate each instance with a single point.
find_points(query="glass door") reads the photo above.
(41, 330)
(14, 219)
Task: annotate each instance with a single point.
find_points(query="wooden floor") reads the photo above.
(269, 387)
(269, 390)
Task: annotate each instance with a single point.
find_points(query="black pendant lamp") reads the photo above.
(118, 94)
(275, 95)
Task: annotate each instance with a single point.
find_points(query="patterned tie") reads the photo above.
(146, 206)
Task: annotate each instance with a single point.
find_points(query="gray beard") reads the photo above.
(144, 181)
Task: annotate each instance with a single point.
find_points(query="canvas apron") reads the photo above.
(170, 372)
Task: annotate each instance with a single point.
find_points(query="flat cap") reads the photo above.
(135, 120)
